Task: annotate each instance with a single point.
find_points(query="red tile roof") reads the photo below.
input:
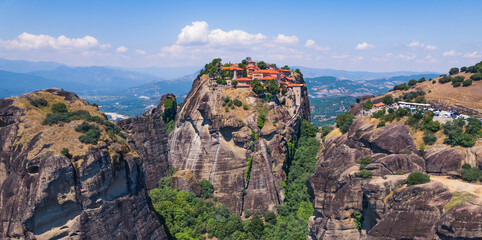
(267, 78)
(266, 71)
(231, 68)
(251, 61)
(244, 79)
(243, 85)
(379, 104)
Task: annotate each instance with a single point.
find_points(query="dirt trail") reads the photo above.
(457, 185)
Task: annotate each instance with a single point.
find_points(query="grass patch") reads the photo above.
(457, 199)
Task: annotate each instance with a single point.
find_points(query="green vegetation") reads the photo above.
(402, 87)
(368, 105)
(457, 199)
(186, 216)
(429, 138)
(65, 152)
(207, 189)
(325, 130)
(417, 178)
(467, 83)
(412, 82)
(91, 133)
(445, 79)
(453, 71)
(456, 135)
(257, 87)
(262, 65)
(344, 121)
(39, 102)
(388, 100)
(169, 114)
(247, 173)
(237, 102)
(262, 114)
(381, 124)
(245, 107)
(59, 108)
(416, 96)
(358, 220)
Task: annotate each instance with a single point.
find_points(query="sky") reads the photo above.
(378, 36)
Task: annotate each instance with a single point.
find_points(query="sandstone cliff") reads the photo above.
(91, 192)
(348, 206)
(218, 143)
(147, 134)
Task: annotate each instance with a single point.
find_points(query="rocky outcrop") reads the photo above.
(97, 193)
(148, 137)
(216, 143)
(462, 222)
(443, 159)
(348, 206)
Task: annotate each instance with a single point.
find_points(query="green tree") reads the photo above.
(476, 77)
(65, 152)
(256, 227)
(453, 71)
(368, 105)
(388, 100)
(257, 87)
(421, 80)
(344, 121)
(467, 83)
(234, 83)
(412, 82)
(262, 65)
(417, 178)
(59, 108)
(207, 189)
(471, 174)
(429, 138)
(272, 87)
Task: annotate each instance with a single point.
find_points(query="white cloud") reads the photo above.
(340, 56)
(364, 46)
(140, 52)
(473, 55)
(26, 41)
(121, 49)
(389, 54)
(198, 32)
(407, 57)
(281, 38)
(418, 44)
(450, 53)
(312, 44)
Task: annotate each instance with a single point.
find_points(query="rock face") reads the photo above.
(98, 193)
(216, 142)
(388, 209)
(148, 136)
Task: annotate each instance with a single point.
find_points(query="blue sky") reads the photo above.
(351, 35)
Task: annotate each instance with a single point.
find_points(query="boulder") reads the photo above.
(441, 159)
(462, 222)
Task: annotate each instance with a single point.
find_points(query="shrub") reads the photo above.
(247, 213)
(344, 121)
(59, 108)
(421, 80)
(388, 100)
(39, 102)
(365, 173)
(474, 126)
(429, 138)
(91, 133)
(325, 130)
(95, 105)
(456, 84)
(237, 103)
(476, 77)
(471, 174)
(261, 120)
(65, 152)
(358, 217)
(445, 79)
(454, 71)
(247, 173)
(270, 218)
(417, 178)
(467, 83)
(245, 107)
(402, 87)
(463, 69)
(379, 114)
(412, 82)
(381, 124)
(364, 162)
(207, 189)
(368, 105)
(466, 166)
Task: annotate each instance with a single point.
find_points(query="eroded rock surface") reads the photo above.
(215, 143)
(98, 193)
(147, 134)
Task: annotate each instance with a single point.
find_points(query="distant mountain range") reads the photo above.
(354, 75)
(131, 91)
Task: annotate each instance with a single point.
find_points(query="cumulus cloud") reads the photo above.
(312, 44)
(418, 44)
(121, 49)
(340, 56)
(140, 52)
(450, 53)
(27, 41)
(281, 38)
(473, 55)
(406, 57)
(364, 46)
